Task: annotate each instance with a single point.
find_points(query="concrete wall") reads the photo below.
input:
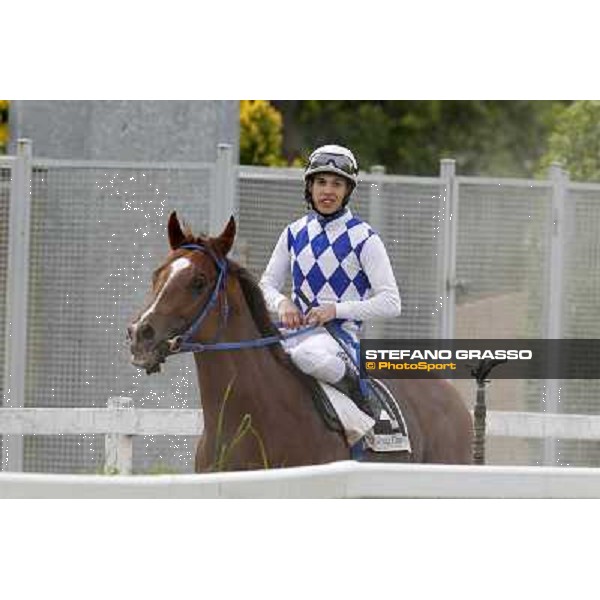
(134, 130)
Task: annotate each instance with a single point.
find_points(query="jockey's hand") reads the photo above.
(319, 315)
(289, 314)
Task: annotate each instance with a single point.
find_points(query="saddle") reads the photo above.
(324, 406)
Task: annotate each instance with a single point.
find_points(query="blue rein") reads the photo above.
(184, 343)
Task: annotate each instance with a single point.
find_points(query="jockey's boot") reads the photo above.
(369, 403)
(349, 385)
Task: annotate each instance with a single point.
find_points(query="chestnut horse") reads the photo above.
(257, 405)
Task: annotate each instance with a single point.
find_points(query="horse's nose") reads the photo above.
(140, 334)
(146, 332)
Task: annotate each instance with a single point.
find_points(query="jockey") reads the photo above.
(339, 265)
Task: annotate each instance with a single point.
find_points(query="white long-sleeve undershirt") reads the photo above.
(383, 299)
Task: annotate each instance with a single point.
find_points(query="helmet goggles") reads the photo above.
(339, 161)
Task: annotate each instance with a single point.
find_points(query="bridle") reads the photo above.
(183, 342)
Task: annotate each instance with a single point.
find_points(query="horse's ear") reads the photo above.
(176, 235)
(224, 242)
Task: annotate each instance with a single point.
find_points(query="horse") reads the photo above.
(258, 407)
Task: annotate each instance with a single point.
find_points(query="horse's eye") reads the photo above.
(198, 283)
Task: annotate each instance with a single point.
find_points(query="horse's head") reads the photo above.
(183, 286)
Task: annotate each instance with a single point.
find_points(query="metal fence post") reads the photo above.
(554, 325)
(447, 246)
(118, 447)
(223, 204)
(377, 221)
(17, 283)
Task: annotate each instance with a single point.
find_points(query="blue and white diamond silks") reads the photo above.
(325, 261)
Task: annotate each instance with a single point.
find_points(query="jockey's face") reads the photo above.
(328, 192)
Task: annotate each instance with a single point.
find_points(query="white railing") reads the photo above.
(345, 479)
(120, 422)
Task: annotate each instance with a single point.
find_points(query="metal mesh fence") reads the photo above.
(97, 232)
(269, 199)
(502, 250)
(5, 179)
(581, 314)
(503, 238)
(410, 229)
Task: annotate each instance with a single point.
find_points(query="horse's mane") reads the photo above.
(255, 300)
(258, 308)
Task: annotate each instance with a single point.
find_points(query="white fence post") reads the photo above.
(223, 204)
(447, 247)
(554, 325)
(17, 298)
(377, 221)
(118, 447)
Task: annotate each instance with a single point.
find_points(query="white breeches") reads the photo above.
(317, 354)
